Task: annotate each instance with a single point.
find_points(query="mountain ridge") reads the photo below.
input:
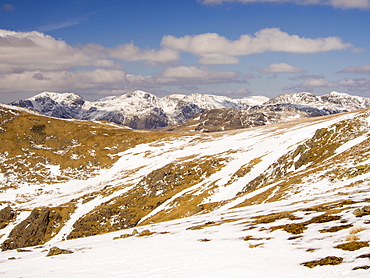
(142, 110)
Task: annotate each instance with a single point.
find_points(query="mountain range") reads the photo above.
(142, 110)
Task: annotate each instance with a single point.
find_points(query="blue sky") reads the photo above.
(225, 47)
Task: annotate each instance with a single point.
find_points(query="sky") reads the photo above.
(235, 48)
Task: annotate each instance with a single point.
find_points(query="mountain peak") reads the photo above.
(58, 97)
(301, 98)
(140, 94)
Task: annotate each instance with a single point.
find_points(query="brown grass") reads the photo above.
(336, 228)
(30, 141)
(352, 238)
(330, 260)
(353, 245)
(298, 228)
(356, 230)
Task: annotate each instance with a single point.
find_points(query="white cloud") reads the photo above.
(25, 51)
(238, 92)
(281, 67)
(310, 85)
(59, 25)
(110, 80)
(356, 85)
(341, 4)
(218, 59)
(307, 76)
(318, 83)
(364, 69)
(185, 77)
(130, 52)
(215, 49)
(61, 81)
(183, 74)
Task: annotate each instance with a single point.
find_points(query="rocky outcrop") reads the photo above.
(34, 230)
(7, 214)
(57, 251)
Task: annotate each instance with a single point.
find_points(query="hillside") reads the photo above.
(299, 186)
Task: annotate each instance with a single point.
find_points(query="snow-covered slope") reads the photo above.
(216, 204)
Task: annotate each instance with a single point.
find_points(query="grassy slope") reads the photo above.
(80, 148)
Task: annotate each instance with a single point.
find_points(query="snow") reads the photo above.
(2, 177)
(351, 143)
(174, 251)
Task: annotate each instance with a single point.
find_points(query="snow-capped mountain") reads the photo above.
(334, 101)
(142, 110)
(207, 204)
(138, 109)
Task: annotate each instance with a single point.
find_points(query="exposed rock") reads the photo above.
(34, 230)
(145, 233)
(7, 214)
(330, 260)
(57, 251)
(362, 211)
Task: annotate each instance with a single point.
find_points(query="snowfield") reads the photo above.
(217, 250)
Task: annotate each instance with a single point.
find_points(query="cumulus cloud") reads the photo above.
(341, 4)
(280, 68)
(111, 80)
(184, 77)
(318, 83)
(25, 51)
(212, 48)
(356, 85)
(310, 85)
(238, 92)
(181, 74)
(364, 69)
(130, 52)
(307, 76)
(61, 81)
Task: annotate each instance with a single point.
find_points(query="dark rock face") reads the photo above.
(33, 230)
(6, 215)
(186, 110)
(155, 119)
